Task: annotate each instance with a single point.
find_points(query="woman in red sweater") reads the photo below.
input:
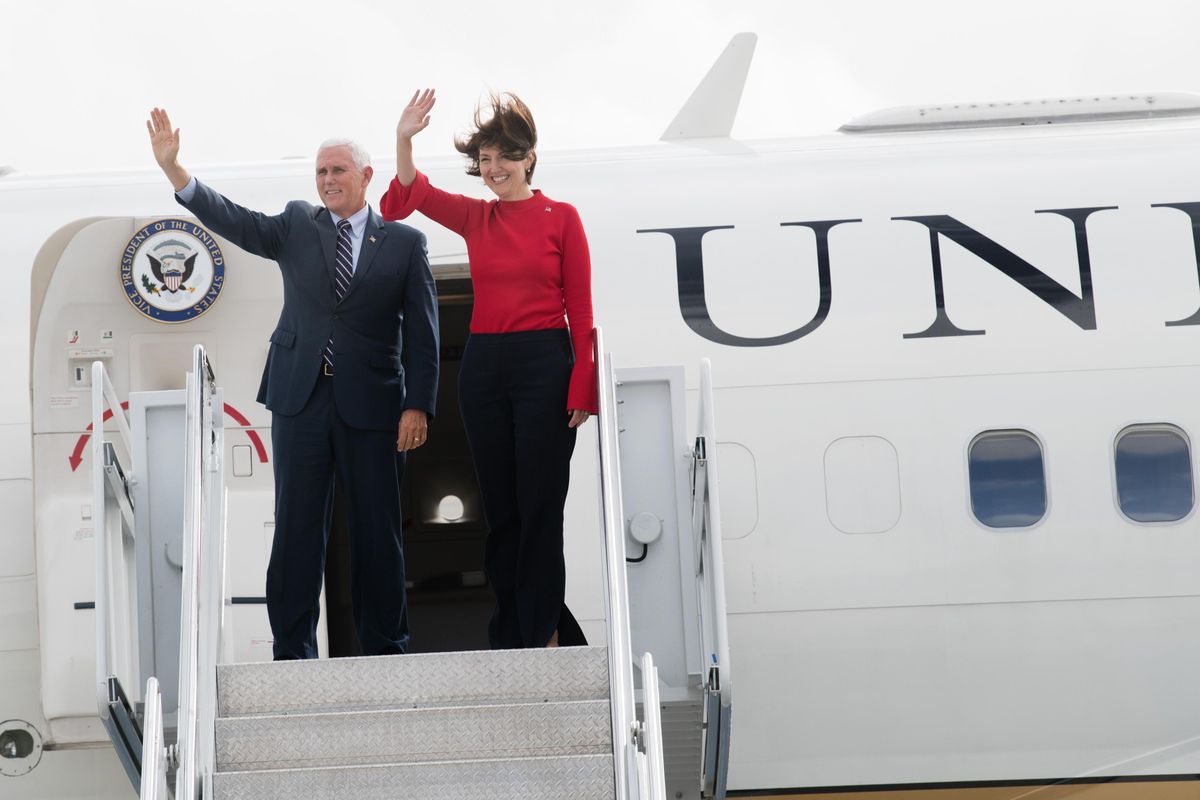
(527, 380)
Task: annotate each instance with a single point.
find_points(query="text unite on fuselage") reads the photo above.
(1080, 308)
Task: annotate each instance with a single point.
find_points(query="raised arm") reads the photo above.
(252, 231)
(165, 141)
(413, 120)
(411, 190)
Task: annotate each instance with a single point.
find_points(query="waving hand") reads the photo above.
(413, 120)
(164, 140)
(415, 117)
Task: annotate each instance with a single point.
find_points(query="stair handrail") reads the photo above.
(154, 751)
(116, 582)
(710, 576)
(202, 605)
(213, 637)
(714, 556)
(653, 730)
(616, 592)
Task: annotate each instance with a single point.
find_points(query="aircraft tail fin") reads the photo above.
(711, 109)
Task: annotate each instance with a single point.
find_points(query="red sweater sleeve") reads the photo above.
(577, 301)
(453, 211)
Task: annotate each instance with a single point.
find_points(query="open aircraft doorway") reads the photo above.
(449, 600)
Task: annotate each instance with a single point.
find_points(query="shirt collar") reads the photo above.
(358, 220)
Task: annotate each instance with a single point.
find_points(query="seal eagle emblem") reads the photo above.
(172, 270)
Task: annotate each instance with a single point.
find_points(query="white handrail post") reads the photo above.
(100, 540)
(116, 586)
(186, 786)
(154, 767)
(620, 657)
(714, 556)
(202, 605)
(117, 645)
(710, 575)
(657, 774)
(212, 576)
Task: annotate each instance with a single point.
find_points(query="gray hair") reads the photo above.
(362, 159)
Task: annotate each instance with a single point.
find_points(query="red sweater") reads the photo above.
(529, 266)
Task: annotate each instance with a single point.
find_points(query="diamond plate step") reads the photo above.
(433, 679)
(574, 777)
(414, 735)
(683, 745)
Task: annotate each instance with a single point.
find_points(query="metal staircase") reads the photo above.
(459, 726)
(553, 723)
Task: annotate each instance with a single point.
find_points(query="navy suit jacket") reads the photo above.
(385, 329)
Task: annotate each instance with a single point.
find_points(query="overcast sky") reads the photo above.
(249, 80)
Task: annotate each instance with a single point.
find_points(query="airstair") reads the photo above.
(587, 722)
(519, 723)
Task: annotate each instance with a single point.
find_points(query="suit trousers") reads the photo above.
(513, 399)
(309, 449)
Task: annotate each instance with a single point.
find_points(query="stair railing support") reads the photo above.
(155, 755)
(616, 592)
(117, 673)
(202, 606)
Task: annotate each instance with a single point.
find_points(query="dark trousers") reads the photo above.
(309, 449)
(513, 398)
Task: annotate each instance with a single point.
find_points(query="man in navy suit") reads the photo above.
(350, 380)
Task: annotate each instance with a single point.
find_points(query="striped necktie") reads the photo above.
(343, 273)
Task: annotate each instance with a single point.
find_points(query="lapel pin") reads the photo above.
(371, 239)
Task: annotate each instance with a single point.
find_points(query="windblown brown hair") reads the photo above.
(509, 129)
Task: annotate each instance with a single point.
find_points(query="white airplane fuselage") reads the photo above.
(872, 304)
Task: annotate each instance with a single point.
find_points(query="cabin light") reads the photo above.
(451, 508)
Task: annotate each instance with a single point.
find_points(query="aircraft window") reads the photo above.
(1008, 479)
(1154, 473)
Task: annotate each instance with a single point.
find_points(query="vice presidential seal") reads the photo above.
(172, 270)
